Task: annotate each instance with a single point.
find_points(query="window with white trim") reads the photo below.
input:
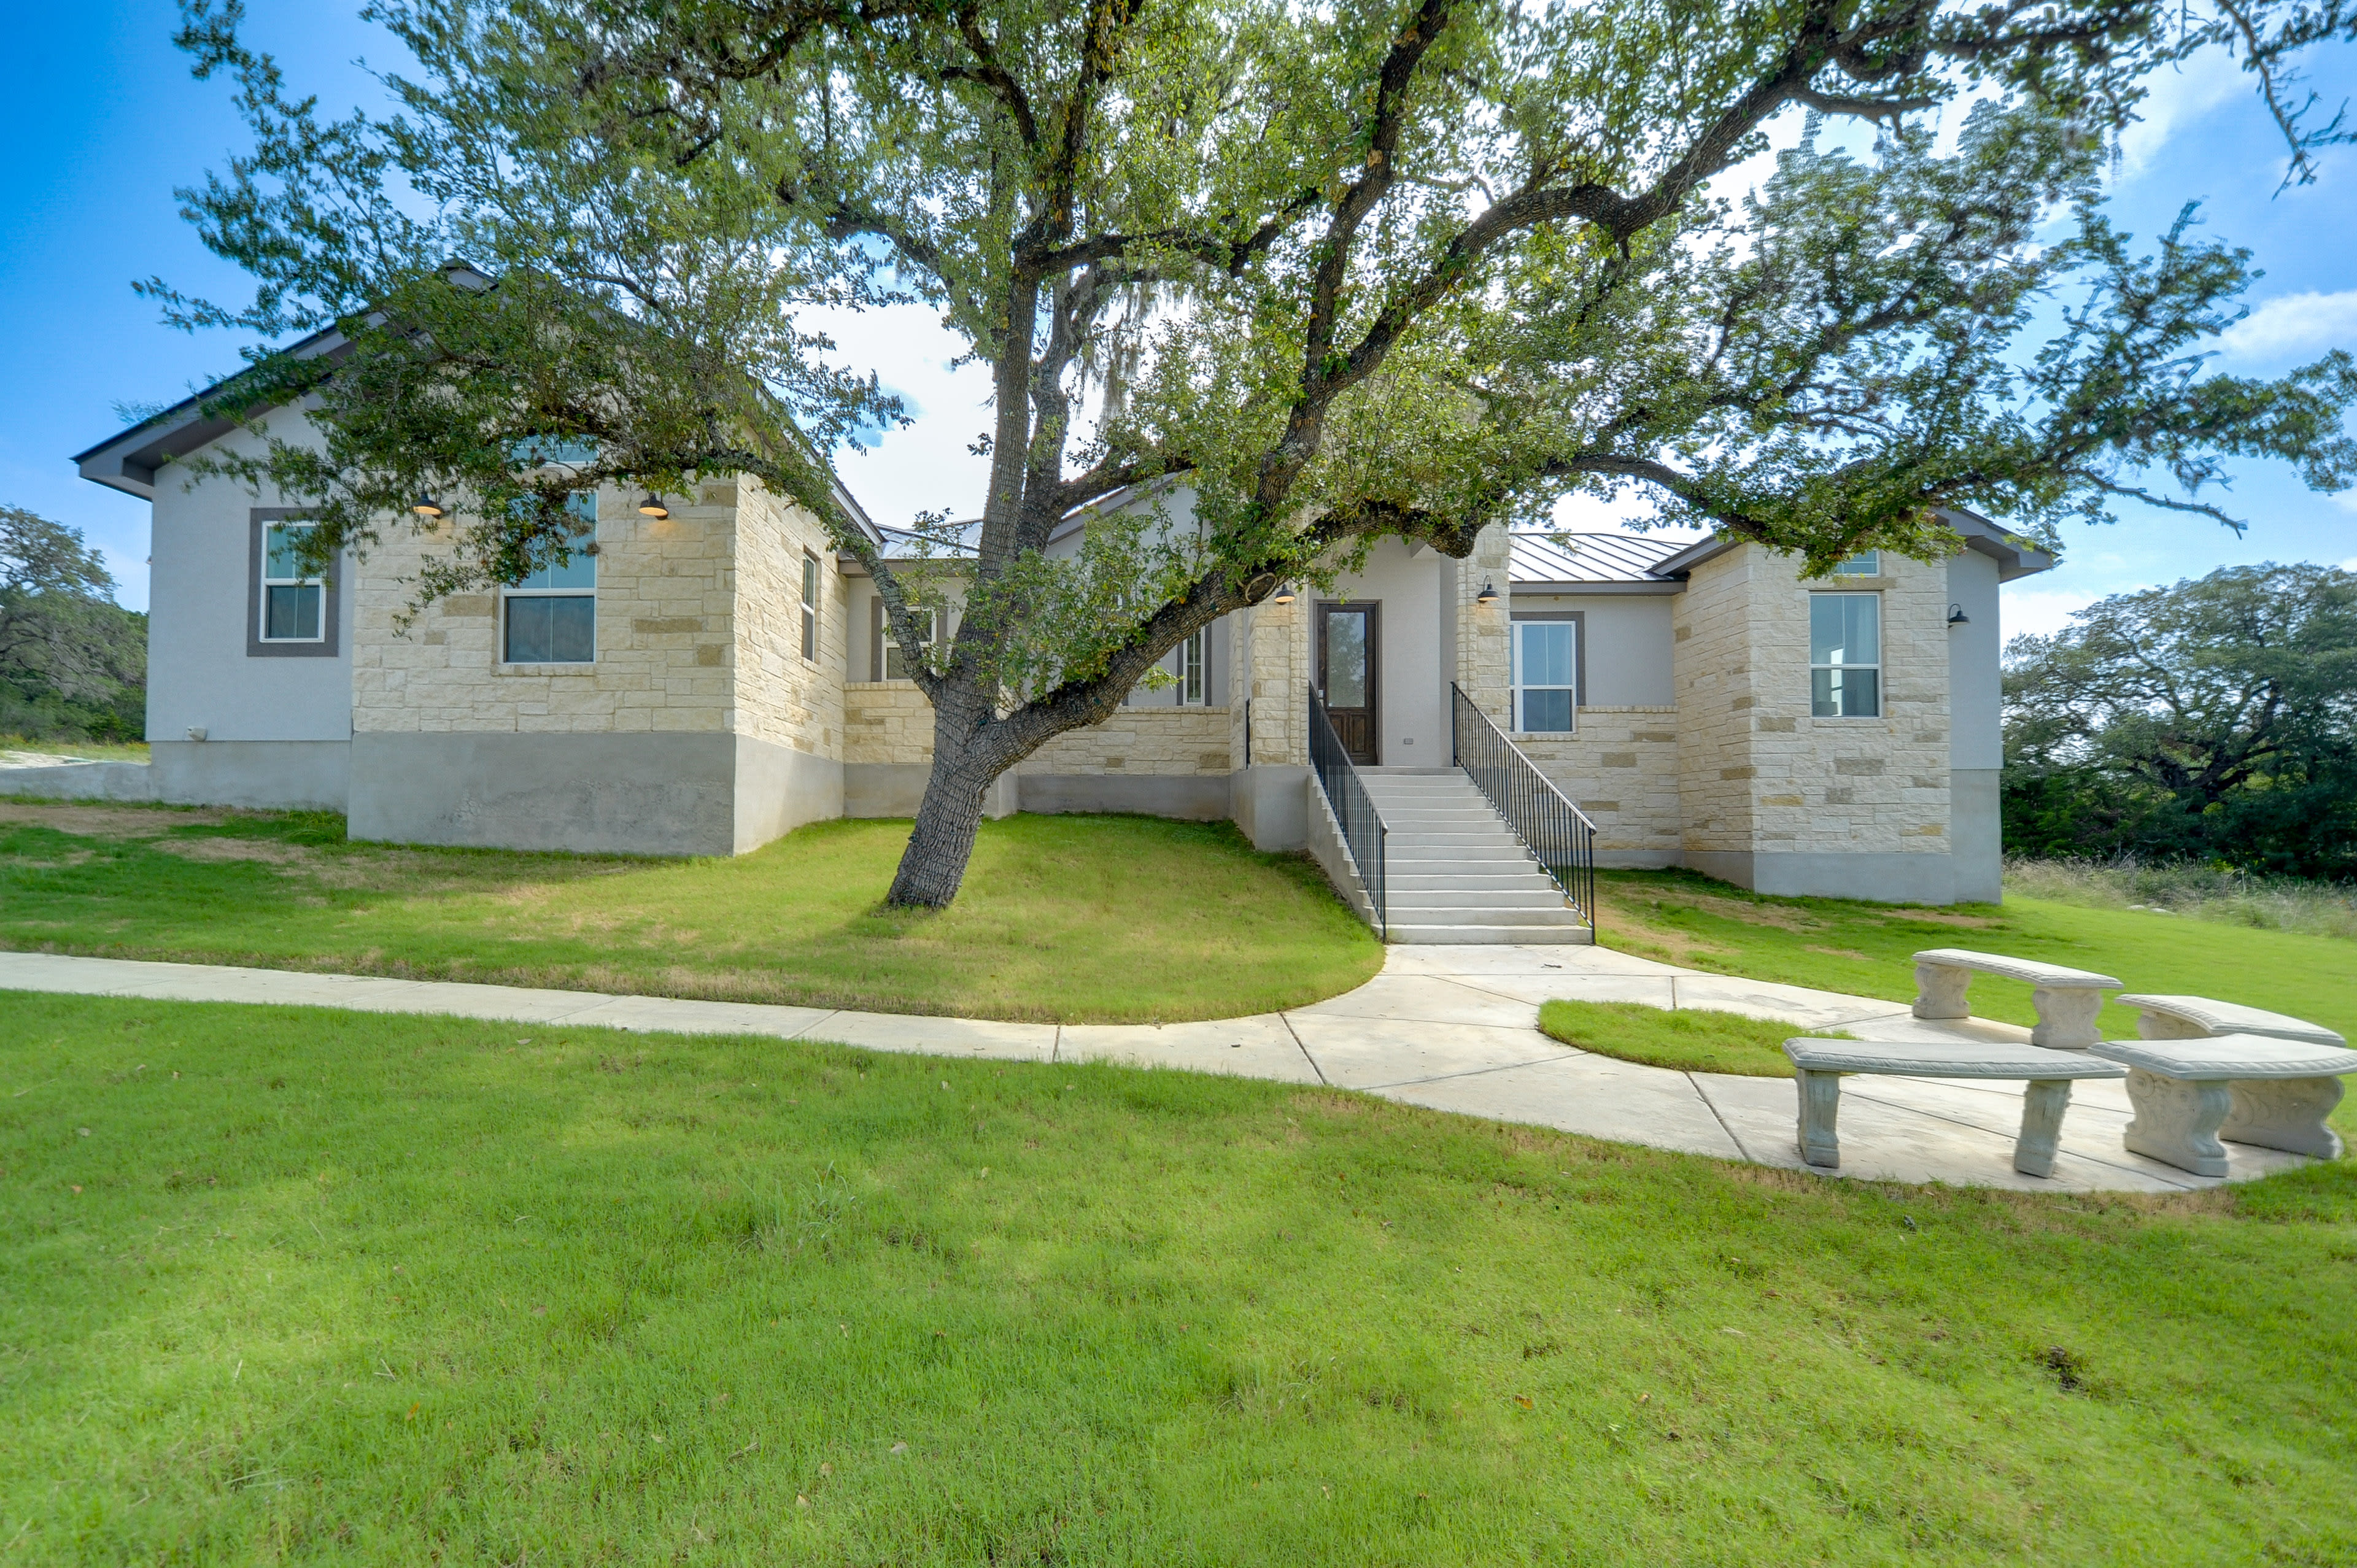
(1189, 668)
(1864, 564)
(1845, 656)
(810, 607)
(886, 663)
(551, 616)
(1546, 676)
(294, 602)
(1193, 658)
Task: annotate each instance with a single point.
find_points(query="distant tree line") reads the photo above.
(2215, 720)
(74, 664)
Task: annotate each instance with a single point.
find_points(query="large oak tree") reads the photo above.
(1355, 269)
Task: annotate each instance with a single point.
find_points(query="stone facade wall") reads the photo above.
(886, 721)
(781, 696)
(1142, 740)
(1271, 669)
(1484, 654)
(666, 602)
(1757, 772)
(890, 721)
(1622, 767)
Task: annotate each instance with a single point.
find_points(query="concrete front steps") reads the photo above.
(1455, 873)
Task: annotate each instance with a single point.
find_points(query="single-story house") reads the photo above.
(713, 677)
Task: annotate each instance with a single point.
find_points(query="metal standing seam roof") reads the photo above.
(1580, 559)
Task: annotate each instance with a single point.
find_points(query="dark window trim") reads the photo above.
(330, 599)
(1578, 619)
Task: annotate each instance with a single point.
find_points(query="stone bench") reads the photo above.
(2202, 1018)
(2067, 999)
(2189, 1094)
(1820, 1063)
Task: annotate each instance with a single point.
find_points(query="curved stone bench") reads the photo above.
(2203, 1017)
(2246, 1089)
(2067, 999)
(1820, 1063)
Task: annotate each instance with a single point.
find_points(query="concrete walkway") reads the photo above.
(1452, 1027)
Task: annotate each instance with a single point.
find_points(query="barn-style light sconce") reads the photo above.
(1488, 595)
(652, 507)
(427, 506)
(1284, 596)
(1956, 616)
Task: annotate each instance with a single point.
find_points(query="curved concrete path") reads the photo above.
(1452, 1027)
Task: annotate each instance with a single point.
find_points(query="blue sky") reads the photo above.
(106, 122)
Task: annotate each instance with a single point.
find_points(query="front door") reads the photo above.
(1346, 675)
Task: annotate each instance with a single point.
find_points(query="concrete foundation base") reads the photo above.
(1192, 797)
(266, 775)
(591, 794)
(1882, 877)
(897, 788)
(1268, 806)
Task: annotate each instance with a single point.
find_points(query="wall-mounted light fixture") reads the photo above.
(652, 507)
(1956, 616)
(1488, 595)
(1284, 596)
(426, 506)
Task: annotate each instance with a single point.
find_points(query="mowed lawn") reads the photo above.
(1866, 950)
(1062, 918)
(288, 1285)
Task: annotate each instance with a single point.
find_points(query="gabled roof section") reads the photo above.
(129, 462)
(1548, 560)
(2015, 556)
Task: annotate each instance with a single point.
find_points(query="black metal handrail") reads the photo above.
(1363, 825)
(1558, 833)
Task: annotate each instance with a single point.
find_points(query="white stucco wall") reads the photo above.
(1413, 693)
(200, 673)
(1626, 644)
(1976, 693)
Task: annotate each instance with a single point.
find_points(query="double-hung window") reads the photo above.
(1546, 676)
(886, 661)
(294, 602)
(810, 607)
(552, 614)
(1845, 656)
(1193, 657)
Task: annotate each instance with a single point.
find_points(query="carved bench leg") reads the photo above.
(2041, 1125)
(2284, 1113)
(2177, 1122)
(1820, 1104)
(1940, 990)
(2066, 1018)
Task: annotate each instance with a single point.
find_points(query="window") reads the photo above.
(889, 664)
(293, 602)
(810, 607)
(1546, 675)
(552, 614)
(1191, 669)
(1864, 564)
(1845, 656)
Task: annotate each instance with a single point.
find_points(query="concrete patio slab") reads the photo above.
(1573, 1094)
(1258, 1046)
(1789, 1004)
(1371, 1053)
(1425, 998)
(1477, 958)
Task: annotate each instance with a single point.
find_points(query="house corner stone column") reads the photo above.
(1483, 658)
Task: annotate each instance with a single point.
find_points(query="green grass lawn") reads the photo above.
(283, 1285)
(1866, 949)
(1063, 919)
(89, 750)
(1692, 1040)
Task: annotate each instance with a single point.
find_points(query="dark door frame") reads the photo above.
(1371, 609)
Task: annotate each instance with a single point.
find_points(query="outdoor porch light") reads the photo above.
(1488, 595)
(1956, 616)
(652, 507)
(428, 507)
(1284, 596)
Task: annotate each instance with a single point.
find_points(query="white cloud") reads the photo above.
(2041, 610)
(2178, 97)
(2295, 326)
(925, 468)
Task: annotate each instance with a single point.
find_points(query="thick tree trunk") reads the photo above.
(964, 767)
